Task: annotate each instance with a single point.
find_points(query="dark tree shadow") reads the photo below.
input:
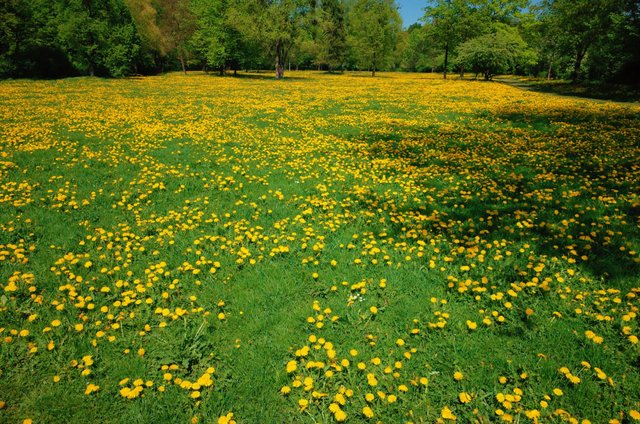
(613, 92)
(571, 199)
(255, 76)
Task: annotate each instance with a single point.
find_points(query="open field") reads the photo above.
(319, 249)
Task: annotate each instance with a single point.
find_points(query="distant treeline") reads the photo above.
(597, 40)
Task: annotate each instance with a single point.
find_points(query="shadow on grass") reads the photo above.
(612, 92)
(255, 76)
(572, 200)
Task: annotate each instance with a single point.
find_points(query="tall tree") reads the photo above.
(29, 45)
(374, 27)
(83, 31)
(166, 25)
(626, 38)
(177, 24)
(145, 16)
(418, 51)
(216, 39)
(502, 11)
(276, 24)
(579, 24)
(332, 34)
(451, 22)
(499, 51)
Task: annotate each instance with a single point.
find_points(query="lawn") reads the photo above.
(202, 249)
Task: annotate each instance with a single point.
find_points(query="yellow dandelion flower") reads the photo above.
(226, 419)
(340, 415)
(91, 388)
(367, 412)
(447, 414)
(464, 397)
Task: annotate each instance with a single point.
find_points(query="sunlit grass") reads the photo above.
(325, 248)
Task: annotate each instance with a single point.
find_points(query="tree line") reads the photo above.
(576, 39)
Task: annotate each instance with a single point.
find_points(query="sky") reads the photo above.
(411, 10)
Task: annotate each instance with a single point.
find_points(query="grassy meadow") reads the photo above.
(326, 248)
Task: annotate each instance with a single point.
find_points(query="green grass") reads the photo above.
(439, 203)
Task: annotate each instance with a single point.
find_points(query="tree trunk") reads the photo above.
(279, 70)
(462, 72)
(373, 68)
(446, 59)
(549, 70)
(280, 60)
(577, 64)
(182, 63)
(221, 70)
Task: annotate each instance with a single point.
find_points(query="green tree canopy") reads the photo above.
(451, 22)
(500, 51)
(332, 34)
(374, 27)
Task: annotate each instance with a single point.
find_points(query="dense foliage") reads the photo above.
(577, 39)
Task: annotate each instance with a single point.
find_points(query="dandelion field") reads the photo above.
(325, 248)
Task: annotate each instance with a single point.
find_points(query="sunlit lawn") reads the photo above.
(319, 249)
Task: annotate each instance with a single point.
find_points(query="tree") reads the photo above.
(216, 38)
(145, 16)
(418, 52)
(497, 52)
(83, 32)
(29, 44)
(98, 36)
(615, 54)
(451, 22)
(502, 11)
(177, 24)
(276, 25)
(374, 26)
(11, 16)
(165, 25)
(332, 34)
(123, 53)
(625, 39)
(578, 25)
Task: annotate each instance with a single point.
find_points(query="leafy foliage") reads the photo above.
(501, 51)
(374, 26)
(581, 39)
